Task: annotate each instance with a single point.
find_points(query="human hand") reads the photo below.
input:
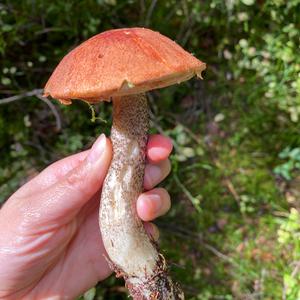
(50, 242)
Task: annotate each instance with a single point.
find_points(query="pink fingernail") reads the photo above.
(97, 149)
(156, 203)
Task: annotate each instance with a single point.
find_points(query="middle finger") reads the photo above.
(155, 173)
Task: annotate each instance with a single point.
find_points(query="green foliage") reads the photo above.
(292, 157)
(289, 238)
(228, 233)
(267, 53)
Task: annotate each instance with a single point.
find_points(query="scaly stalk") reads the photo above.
(132, 253)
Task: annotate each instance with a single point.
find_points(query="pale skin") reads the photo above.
(50, 242)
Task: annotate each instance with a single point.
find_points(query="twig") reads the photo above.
(186, 28)
(21, 96)
(190, 21)
(189, 234)
(54, 111)
(227, 181)
(284, 289)
(282, 214)
(296, 269)
(142, 11)
(172, 12)
(193, 200)
(232, 190)
(149, 13)
(47, 30)
(36, 93)
(218, 253)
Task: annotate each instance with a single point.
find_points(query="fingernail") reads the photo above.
(155, 203)
(153, 174)
(97, 149)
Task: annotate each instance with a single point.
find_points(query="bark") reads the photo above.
(132, 254)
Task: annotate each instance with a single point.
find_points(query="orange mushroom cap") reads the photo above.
(121, 62)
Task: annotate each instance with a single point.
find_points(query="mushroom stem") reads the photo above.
(133, 255)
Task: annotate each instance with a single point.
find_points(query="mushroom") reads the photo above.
(121, 65)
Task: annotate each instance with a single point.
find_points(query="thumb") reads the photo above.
(61, 201)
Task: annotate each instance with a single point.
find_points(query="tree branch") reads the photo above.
(21, 96)
(53, 109)
(38, 94)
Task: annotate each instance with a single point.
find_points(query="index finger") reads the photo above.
(159, 148)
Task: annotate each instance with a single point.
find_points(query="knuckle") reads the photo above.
(76, 180)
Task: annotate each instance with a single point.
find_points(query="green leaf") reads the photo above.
(248, 2)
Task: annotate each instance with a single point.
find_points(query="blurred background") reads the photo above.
(234, 228)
